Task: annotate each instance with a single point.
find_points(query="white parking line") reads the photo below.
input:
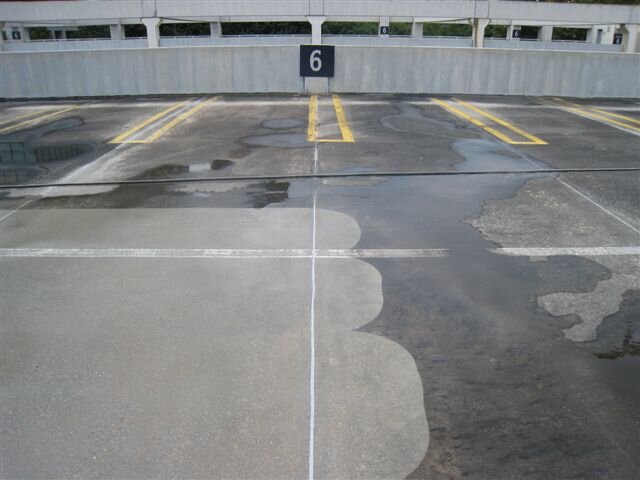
(304, 253)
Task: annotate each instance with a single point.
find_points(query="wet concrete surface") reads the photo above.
(506, 391)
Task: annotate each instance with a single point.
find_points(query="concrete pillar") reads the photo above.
(479, 24)
(510, 30)
(630, 40)
(117, 31)
(153, 31)
(216, 29)
(1, 36)
(383, 26)
(545, 33)
(607, 36)
(16, 33)
(417, 30)
(316, 29)
(592, 34)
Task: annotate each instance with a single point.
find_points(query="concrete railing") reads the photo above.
(257, 40)
(80, 44)
(263, 40)
(556, 45)
(375, 40)
(223, 69)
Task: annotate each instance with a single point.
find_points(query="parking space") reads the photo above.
(331, 315)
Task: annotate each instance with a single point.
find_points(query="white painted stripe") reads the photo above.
(575, 190)
(601, 207)
(17, 209)
(312, 342)
(576, 251)
(304, 253)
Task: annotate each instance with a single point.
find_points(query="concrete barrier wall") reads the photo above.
(374, 69)
(150, 71)
(485, 71)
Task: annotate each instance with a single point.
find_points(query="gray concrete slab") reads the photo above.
(167, 329)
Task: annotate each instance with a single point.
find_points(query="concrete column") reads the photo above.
(117, 31)
(1, 36)
(316, 29)
(510, 30)
(545, 33)
(19, 29)
(417, 30)
(384, 22)
(153, 31)
(630, 41)
(216, 29)
(479, 24)
(592, 34)
(607, 36)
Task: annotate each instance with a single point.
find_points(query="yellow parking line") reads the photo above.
(534, 140)
(347, 134)
(312, 131)
(485, 127)
(183, 116)
(30, 114)
(617, 115)
(34, 120)
(122, 137)
(579, 110)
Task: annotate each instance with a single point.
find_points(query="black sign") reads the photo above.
(617, 39)
(515, 34)
(317, 60)
(15, 35)
(384, 30)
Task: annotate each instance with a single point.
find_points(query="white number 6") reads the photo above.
(315, 61)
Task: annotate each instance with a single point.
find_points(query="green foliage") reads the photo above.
(529, 32)
(496, 31)
(446, 30)
(350, 28)
(185, 29)
(563, 33)
(90, 31)
(399, 29)
(39, 33)
(135, 31)
(266, 28)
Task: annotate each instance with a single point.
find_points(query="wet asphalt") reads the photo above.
(506, 389)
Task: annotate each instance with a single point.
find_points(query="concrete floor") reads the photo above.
(466, 325)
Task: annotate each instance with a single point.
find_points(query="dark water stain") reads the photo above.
(279, 140)
(28, 147)
(63, 151)
(503, 389)
(485, 154)
(570, 274)
(625, 325)
(413, 119)
(282, 123)
(221, 167)
(266, 193)
(221, 164)
(18, 174)
(32, 134)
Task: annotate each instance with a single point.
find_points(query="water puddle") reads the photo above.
(279, 140)
(484, 154)
(411, 119)
(282, 123)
